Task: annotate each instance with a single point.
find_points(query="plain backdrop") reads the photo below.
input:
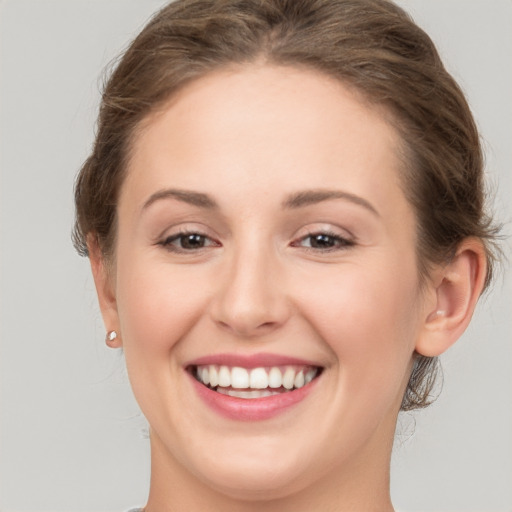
(72, 438)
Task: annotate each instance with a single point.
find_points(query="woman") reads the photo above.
(285, 219)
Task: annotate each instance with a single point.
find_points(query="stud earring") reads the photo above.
(111, 337)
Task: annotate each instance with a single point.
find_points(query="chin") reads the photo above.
(256, 482)
(259, 469)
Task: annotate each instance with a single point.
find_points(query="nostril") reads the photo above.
(247, 327)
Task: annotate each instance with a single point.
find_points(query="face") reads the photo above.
(265, 285)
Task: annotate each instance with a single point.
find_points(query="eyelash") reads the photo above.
(338, 242)
(167, 243)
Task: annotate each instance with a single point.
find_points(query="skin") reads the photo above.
(250, 139)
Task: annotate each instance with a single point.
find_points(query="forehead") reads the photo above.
(244, 128)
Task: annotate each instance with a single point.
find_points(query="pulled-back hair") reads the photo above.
(372, 46)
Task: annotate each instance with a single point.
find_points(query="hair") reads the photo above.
(372, 46)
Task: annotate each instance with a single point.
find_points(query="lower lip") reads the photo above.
(251, 409)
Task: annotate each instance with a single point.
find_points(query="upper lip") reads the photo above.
(250, 360)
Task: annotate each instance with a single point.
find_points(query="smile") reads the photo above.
(252, 387)
(251, 383)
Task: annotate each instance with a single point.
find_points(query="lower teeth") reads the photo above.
(253, 393)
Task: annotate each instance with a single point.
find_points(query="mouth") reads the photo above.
(252, 387)
(254, 383)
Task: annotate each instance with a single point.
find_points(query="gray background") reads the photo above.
(72, 438)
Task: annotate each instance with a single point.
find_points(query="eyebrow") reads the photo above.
(296, 200)
(309, 197)
(186, 196)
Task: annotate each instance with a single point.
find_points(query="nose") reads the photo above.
(251, 300)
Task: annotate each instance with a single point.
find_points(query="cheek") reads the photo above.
(157, 305)
(368, 318)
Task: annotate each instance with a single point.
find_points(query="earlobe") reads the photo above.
(105, 290)
(457, 289)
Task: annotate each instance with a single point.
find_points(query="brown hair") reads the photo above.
(370, 45)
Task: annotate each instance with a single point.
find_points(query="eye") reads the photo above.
(188, 242)
(323, 241)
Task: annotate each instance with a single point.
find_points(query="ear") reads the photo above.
(456, 289)
(105, 289)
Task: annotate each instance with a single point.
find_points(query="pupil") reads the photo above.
(192, 241)
(322, 241)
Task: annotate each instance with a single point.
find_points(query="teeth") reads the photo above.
(262, 379)
(224, 377)
(254, 393)
(259, 378)
(288, 378)
(275, 378)
(214, 376)
(299, 380)
(310, 375)
(240, 378)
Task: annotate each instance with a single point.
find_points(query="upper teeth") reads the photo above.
(237, 377)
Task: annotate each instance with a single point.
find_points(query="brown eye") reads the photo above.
(323, 242)
(192, 241)
(182, 242)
